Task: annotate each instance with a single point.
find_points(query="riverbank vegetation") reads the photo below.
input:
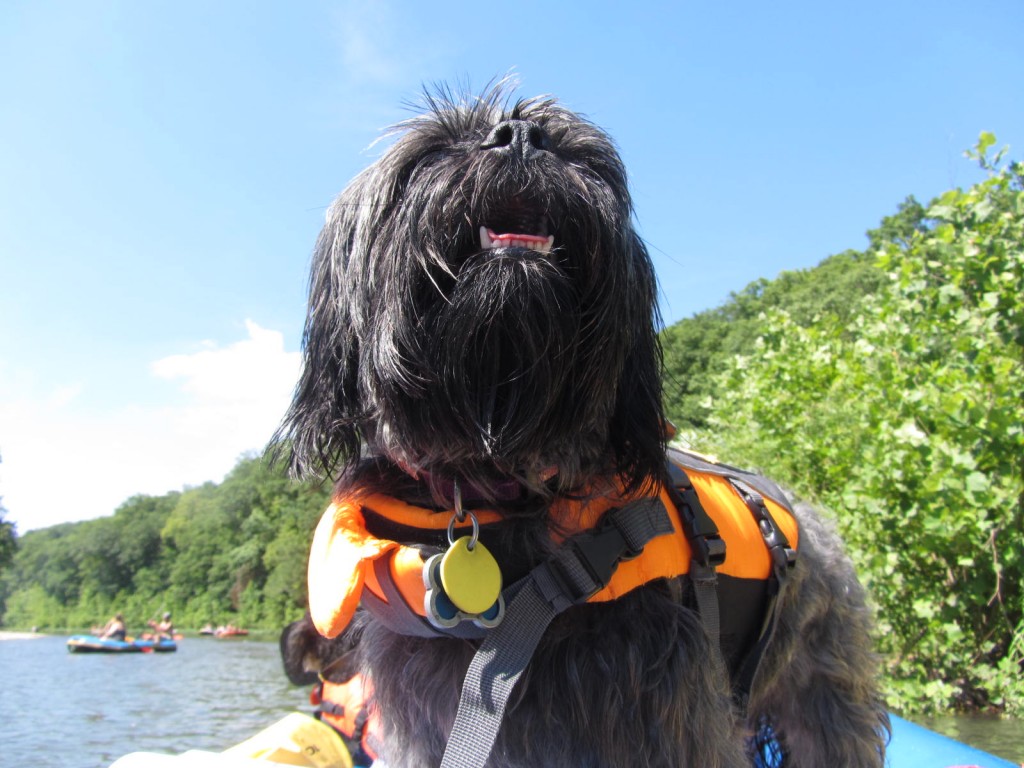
(888, 387)
(230, 552)
(884, 385)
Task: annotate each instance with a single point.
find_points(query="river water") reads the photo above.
(62, 710)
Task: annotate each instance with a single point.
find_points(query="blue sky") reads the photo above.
(165, 168)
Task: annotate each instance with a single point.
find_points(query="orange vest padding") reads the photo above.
(347, 707)
(343, 552)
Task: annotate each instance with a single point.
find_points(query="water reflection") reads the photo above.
(1001, 737)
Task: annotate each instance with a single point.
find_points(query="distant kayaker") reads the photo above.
(164, 628)
(114, 629)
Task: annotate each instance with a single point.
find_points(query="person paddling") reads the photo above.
(114, 629)
(164, 628)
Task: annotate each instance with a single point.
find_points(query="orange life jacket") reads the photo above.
(731, 533)
(348, 708)
(347, 562)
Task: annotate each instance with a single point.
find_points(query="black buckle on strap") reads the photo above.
(709, 550)
(701, 532)
(783, 556)
(599, 551)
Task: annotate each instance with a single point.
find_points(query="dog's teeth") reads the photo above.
(485, 239)
(548, 244)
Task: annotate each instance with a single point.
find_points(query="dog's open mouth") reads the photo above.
(489, 240)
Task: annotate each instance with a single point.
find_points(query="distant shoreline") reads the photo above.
(20, 635)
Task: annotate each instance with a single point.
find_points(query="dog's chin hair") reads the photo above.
(496, 369)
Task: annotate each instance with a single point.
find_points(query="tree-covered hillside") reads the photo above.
(699, 348)
(217, 553)
(891, 392)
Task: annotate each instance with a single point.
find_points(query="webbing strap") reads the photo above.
(783, 556)
(705, 591)
(581, 567)
(708, 552)
(783, 559)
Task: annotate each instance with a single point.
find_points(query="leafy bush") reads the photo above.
(907, 422)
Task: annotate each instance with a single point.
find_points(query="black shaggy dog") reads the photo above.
(482, 332)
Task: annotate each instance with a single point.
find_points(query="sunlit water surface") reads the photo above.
(85, 710)
(62, 710)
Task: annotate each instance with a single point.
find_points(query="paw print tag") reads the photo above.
(464, 582)
(470, 576)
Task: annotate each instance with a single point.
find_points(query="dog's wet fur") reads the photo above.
(430, 359)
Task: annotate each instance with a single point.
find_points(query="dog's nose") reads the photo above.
(517, 137)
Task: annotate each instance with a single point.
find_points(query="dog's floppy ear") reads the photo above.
(301, 666)
(321, 428)
(637, 430)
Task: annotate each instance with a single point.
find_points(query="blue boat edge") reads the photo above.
(914, 746)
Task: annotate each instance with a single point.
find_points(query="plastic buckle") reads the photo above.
(710, 550)
(599, 551)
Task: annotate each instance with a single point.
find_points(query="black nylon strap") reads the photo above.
(708, 550)
(783, 556)
(783, 560)
(700, 530)
(580, 568)
(492, 674)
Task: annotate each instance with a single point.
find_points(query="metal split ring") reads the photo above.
(474, 537)
(459, 515)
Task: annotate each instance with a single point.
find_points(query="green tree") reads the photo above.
(8, 546)
(698, 349)
(908, 423)
(8, 538)
(234, 551)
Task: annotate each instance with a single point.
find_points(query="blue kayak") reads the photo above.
(914, 746)
(94, 644)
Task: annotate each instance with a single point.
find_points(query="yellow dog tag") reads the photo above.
(470, 577)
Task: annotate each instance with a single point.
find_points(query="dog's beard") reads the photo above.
(494, 367)
(503, 358)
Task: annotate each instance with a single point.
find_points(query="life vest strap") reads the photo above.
(708, 550)
(580, 568)
(347, 708)
(699, 528)
(783, 556)
(394, 612)
(783, 560)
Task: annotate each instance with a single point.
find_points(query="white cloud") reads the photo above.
(62, 463)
